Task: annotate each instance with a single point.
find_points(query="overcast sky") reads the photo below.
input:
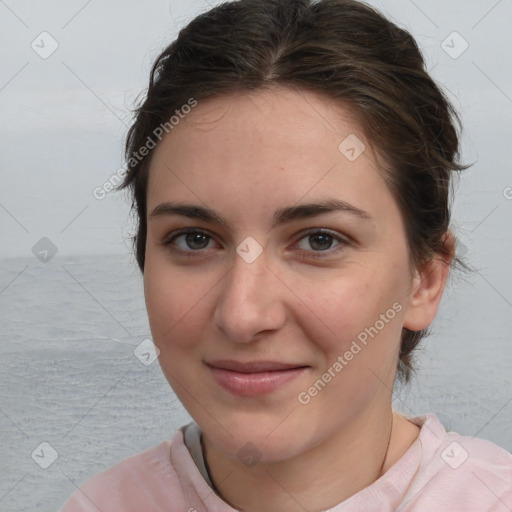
(64, 114)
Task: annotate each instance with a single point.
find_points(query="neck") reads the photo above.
(350, 460)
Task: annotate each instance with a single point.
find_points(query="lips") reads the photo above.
(254, 378)
(254, 367)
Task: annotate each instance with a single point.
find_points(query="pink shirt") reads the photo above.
(440, 472)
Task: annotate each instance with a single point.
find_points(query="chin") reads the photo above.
(253, 441)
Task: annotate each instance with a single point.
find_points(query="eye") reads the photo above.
(320, 241)
(190, 240)
(193, 242)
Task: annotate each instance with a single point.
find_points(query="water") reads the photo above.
(69, 376)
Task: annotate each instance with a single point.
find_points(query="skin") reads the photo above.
(245, 156)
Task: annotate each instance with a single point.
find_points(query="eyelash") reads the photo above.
(313, 254)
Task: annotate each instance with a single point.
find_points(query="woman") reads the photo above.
(290, 169)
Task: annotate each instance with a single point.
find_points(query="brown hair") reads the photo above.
(344, 49)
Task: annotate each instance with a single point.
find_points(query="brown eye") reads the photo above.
(320, 242)
(189, 241)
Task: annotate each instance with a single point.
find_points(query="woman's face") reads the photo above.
(263, 285)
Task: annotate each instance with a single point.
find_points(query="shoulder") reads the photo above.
(146, 477)
(460, 472)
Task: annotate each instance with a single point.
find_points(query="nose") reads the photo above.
(251, 300)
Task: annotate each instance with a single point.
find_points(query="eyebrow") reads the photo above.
(281, 216)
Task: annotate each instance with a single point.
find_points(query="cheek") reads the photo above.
(365, 318)
(175, 304)
(361, 307)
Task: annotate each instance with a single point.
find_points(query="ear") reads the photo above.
(427, 288)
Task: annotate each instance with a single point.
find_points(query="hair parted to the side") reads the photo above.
(343, 49)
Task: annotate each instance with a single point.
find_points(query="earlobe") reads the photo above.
(427, 288)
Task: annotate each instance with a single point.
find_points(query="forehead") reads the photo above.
(266, 147)
(278, 114)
